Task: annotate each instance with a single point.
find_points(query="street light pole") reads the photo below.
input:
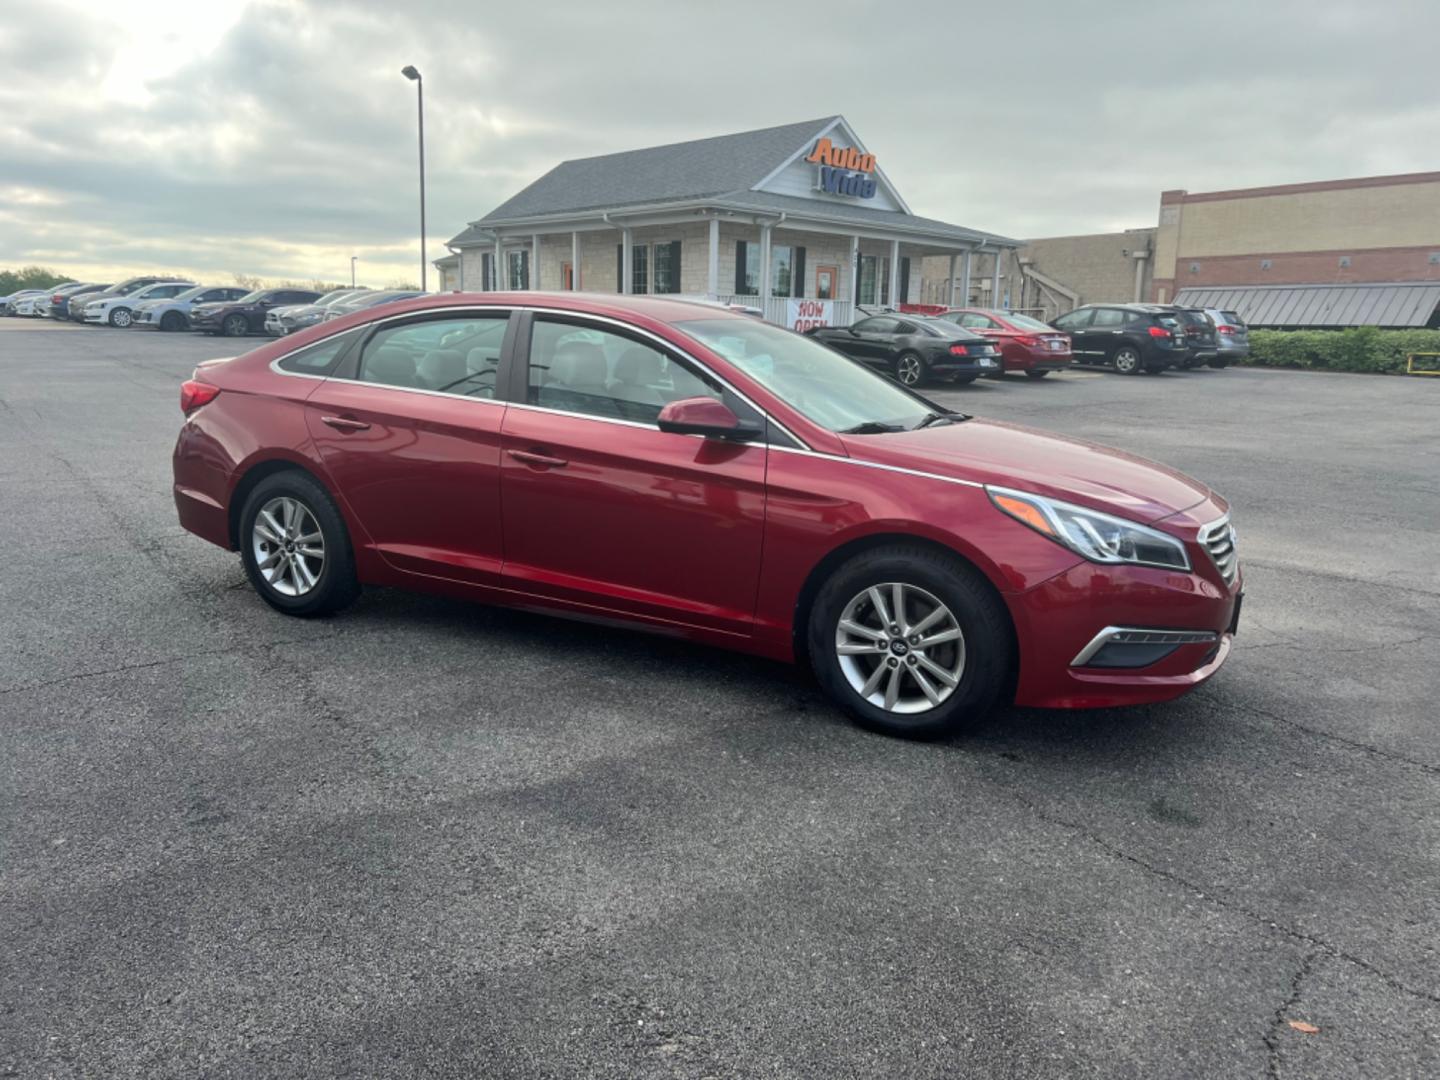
(352, 270)
(414, 76)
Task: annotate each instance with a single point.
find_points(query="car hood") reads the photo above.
(1009, 455)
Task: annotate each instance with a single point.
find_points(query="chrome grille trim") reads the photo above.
(1140, 635)
(1218, 537)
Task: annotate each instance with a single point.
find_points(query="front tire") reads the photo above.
(121, 318)
(235, 326)
(295, 547)
(909, 369)
(1126, 360)
(172, 320)
(910, 641)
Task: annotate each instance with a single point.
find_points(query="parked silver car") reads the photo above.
(1232, 337)
(292, 317)
(119, 311)
(174, 313)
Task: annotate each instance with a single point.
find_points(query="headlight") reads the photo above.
(1090, 534)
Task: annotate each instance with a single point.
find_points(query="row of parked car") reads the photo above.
(165, 303)
(963, 345)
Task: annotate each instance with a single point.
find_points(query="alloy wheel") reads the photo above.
(908, 370)
(120, 317)
(236, 326)
(900, 648)
(288, 546)
(1127, 361)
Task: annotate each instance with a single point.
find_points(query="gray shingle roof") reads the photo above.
(718, 172)
(684, 170)
(1379, 304)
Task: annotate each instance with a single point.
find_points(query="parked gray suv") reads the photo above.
(1232, 337)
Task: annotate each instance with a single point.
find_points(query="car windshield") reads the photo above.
(330, 297)
(825, 386)
(254, 297)
(1025, 322)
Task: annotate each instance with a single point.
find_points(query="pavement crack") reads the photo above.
(1230, 906)
(1353, 744)
(1282, 1015)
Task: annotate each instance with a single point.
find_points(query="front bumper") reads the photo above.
(1059, 621)
(100, 316)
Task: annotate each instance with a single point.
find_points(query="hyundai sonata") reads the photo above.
(676, 467)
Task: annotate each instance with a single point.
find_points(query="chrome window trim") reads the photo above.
(509, 308)
(1178, 637)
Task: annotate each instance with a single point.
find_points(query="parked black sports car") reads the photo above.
(914, 348)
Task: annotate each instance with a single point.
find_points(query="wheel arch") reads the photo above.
(251, 476)
(839, 555)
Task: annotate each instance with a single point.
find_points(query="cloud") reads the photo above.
(277, 137)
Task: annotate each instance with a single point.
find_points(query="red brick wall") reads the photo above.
(1304, 268)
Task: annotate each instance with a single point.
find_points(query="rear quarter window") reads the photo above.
(318, 359)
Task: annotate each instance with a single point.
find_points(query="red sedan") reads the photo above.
(1026, 344)
(679, 468)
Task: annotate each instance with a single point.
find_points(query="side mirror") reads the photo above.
(705, 416)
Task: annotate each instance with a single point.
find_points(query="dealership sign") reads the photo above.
(802, 315)
(843, 170)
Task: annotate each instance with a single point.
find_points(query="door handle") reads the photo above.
(345, 423)
(545, 461)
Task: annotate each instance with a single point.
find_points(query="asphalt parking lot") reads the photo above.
(426, 838)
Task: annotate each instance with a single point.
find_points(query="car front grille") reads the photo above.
(1219, 540)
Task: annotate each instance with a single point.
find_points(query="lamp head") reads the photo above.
(409, 72)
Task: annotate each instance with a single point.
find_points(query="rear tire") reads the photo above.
(292, 572)
(963, 380)
(235, 326)
(1036, 374)
(1218, 365)
(943, 595)
(1126, 360)
(910, 369)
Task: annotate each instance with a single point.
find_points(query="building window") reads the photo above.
(787, 269)
(640, 269)
(667, 267)
(518, 266)
(782, 263)
(866, 280)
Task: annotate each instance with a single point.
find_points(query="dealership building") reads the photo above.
(801, 220)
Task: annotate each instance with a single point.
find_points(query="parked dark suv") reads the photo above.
(1130, 338)
(1199, 333)
(236, 318)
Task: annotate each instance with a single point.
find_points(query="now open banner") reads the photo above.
(802, 315)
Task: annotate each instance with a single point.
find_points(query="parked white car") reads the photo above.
(173, 313)
(29, 306)
(120, 310)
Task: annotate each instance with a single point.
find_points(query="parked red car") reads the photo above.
(673, 466)
(1026, 344)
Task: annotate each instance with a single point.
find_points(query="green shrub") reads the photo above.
(1359, 348)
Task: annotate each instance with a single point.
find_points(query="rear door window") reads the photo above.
(1108, 317)
(1075, 320)
(457, 355)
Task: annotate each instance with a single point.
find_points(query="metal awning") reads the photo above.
(1380, 304)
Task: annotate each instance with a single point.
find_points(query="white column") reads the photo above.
(854, 270)
(965, 279)
(535, 261)
(627, 262)
(995, 298)
(574, 262)
(712, 272)
(895, 274)
(950, 301)
(764, 266)
(497, 282)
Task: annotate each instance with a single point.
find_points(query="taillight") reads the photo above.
(959, 350)
(1026, 339)
(56, 298)
(1226, 329)
(1159, 331)
(193, 394)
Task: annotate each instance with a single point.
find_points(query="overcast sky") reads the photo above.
(277, 138)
